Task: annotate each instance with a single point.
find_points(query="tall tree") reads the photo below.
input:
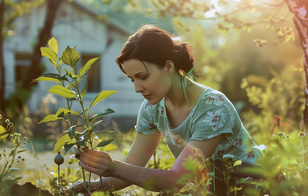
(34, 71)
(2, 69)
(299, 9)
(9, 12)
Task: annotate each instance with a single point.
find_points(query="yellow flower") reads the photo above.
(3, 133)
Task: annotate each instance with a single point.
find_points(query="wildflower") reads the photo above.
(281, 134)
(301, 134)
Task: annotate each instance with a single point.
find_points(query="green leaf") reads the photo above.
(49, 118)
(46, 52)
(3, 136)
(101, 96)
(58, 115)
(70, 56)
(83, 92)
(2, 129)
(103, 113)
(66, 111)
(236, 163)
(12, 169)
(87, 66)
(67, 147)
(104, 143)
(71, 131)
(69, 86)
(42, 78)
(55, 76)
(62, 91)
(65, 139)
(20, 151)
(53, 45)
(96, 123)
(70, 74)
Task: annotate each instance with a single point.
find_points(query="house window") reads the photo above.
(22, 62)
(93, 76)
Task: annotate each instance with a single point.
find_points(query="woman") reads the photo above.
(195, 120)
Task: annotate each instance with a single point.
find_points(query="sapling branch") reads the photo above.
(81, 139)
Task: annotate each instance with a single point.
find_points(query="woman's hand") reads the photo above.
(98, 162)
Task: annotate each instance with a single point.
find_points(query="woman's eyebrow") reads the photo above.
(137, 74)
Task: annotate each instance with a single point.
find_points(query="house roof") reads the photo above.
(126, 22)
(111, 21)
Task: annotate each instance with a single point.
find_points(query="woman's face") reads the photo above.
(149, 80)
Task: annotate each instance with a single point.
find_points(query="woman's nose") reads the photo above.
(138, 87)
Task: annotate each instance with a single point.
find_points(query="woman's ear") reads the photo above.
(170, 66)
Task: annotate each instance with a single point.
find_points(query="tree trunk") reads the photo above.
(35, 70)
(2, 69)
(299, 9)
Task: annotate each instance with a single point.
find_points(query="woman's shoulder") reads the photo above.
(211, 94)
(212, 98)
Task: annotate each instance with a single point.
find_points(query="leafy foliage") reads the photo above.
(69, 88)
(9, 159)
(72, 93)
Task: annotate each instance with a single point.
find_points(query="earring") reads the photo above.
(184, 81)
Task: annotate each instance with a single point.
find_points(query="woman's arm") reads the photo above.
(139, 154)
(151, 179)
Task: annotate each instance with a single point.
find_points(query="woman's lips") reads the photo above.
(146, 96)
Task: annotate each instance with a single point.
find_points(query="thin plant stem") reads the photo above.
(155, 160)
(59, 185)
(68, 106)
(101, 181)
(303, 157)
(84, 178)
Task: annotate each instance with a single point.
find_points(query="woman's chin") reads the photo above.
(154, 101)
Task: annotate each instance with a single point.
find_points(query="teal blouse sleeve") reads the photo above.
(215, 116)
(145, 124)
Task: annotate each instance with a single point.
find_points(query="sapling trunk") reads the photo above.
(59, 181)
(59, 160)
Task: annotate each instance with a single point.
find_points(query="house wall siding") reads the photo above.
(74, 27)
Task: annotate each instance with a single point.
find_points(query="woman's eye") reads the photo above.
(143, 77)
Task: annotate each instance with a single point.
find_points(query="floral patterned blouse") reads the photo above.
(212, 116)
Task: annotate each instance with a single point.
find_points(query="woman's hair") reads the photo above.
(154, 45)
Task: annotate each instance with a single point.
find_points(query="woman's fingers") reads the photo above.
(97, 169)
(94, 156)
(90, 159)
(97, 162)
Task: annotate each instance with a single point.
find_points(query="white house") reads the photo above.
(76, 25)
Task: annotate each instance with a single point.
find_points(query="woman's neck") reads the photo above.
(175, 96)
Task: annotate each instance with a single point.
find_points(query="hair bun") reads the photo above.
(183, 57)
